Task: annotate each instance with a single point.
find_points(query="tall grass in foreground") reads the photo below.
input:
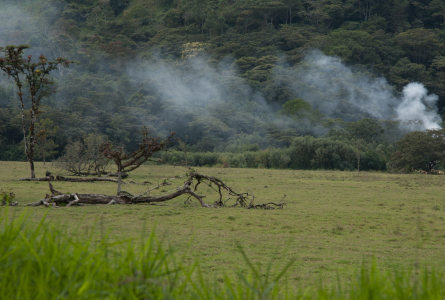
(45, 262)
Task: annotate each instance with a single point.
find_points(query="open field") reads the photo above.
(333, 220)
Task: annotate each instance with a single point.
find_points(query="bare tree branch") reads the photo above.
(187, 188)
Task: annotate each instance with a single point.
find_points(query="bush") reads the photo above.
(11, 153)
(370, 160)
(237, 161)
(325, 153)
(304, 153)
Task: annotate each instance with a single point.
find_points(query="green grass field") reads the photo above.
(332, 223)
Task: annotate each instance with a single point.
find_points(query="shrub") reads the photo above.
(304, 153)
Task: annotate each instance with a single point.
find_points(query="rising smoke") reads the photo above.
(416, 104)
(217, 100)
(217, 96)
(340, 91)
(214, 94)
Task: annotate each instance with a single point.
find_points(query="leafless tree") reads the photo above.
(129, 162)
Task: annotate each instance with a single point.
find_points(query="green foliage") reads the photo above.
(421, 44)
(45, 145)
(303, 153)
(368, 130)
(78, 267)
(118, 5)
(420, 150)
(296, 108)
(11, 153)
(6, 197)
(82, 158)
(398, 39)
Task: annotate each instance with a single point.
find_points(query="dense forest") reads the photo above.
(285, 83)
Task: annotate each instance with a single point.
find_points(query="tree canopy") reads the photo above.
(225, 73)
(421, 150)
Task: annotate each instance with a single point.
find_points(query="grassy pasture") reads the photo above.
(333, 221)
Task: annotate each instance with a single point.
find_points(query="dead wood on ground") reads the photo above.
(71, 179)
(116, 174)
(189, 187)
(4, 203)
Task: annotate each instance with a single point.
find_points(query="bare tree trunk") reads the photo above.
(290, 15)
(119, 179)
(33, 171)
(71, 179)
(32, 137)
(358, 164)
(25, 141)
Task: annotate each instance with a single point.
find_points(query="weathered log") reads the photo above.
(49, 178)
(54, 192)
(127, 198)
(75, 201)
(184, 190)
(38, 203)
(79, 199)
(84, 179)
(4, 203)
(71, 179)
(116, 174)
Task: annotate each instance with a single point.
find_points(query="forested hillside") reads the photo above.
(235, 76)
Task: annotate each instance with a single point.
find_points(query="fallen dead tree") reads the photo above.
(4, 203)
(56, 198)
(70, 179)
(189, 187)
(116, 174)
(37, 179)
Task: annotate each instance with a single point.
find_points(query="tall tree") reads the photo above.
(270, 10)
(421, 44)
(290, 4)
(365, 8)
(32, 78)
(367, 130)
(399, 14)
(119, 5)
(316, 14)
(420, 150)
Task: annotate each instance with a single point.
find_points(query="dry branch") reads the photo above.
(187, 188)
(4, 203)
(70, 179)
(49, 178)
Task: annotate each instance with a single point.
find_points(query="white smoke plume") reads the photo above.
(414, 106)
(218, 95)
(340, 91)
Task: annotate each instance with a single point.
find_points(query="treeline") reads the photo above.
(305, 153)
(365, 144)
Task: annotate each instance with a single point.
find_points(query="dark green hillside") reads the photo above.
(233, 76)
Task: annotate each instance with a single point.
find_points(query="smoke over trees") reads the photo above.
(226, 73)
